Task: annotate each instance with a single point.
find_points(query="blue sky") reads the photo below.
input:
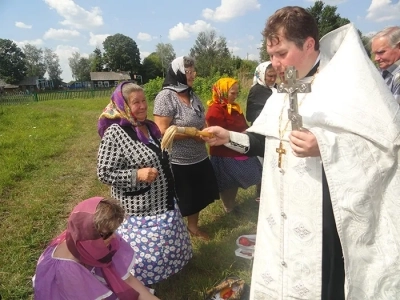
(79, 25)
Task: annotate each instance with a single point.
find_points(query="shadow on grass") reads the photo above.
(215, 260)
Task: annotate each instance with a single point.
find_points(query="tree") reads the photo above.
(166, 53)
(84, 69)
(212, 54)
(34, 61)
(96, 61)
(73, 63)
(152, 67)
(326, 17)
(12, 64)
(53, 68)
(121, 53)
(264, 56)
(80, 67)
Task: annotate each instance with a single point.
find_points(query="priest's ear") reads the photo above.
(309, 44)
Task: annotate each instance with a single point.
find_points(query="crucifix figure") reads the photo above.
(280, 151)
(292, 87)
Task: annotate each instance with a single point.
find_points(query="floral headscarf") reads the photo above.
(220, 95)
(259, 74)
(118, 112)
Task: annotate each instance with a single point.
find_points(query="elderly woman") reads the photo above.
(88, 260)
(130, 160)
(233, 170)
(177, 104)
(261, 90)
(263, 87)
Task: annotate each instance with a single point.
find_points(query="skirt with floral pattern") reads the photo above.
(161, 243)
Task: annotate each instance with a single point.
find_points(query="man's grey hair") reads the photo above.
(392, 34)
(129, 88)
(188, 61)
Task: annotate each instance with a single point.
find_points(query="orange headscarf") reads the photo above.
(220, 94)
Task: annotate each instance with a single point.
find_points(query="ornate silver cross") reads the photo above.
(291, 87)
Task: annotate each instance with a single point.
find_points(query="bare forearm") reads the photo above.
(144, 293)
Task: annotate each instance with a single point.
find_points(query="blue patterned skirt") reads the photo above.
(161, 243)
(232, 173)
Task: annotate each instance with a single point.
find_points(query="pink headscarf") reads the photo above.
(86, 244)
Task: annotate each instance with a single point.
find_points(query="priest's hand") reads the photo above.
(304, 143)
(220, 136)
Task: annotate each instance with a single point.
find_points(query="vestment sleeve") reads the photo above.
(249, 143)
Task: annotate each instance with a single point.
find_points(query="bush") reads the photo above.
(152, 88)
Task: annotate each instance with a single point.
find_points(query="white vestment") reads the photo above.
(356, 122)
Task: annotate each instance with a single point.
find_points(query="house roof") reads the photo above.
(5, 85)
(29, 80)
(109, 76)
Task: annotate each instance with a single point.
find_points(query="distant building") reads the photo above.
(34, 83)
(108, 79)
(6, 87)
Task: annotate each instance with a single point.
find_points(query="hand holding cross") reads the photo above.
(292, 87)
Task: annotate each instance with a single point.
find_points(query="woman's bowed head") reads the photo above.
(88, 250)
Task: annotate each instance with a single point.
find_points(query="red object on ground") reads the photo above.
(245, 242)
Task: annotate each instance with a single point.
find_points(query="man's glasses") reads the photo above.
(106, 235)
(189, 72)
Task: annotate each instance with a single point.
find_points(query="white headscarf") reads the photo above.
(259, 74)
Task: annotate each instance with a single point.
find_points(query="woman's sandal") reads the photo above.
(199, 234)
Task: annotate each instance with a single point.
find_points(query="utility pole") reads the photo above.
(162, 56)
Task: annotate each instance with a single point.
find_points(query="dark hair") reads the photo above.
(297, 25)
(269, 67)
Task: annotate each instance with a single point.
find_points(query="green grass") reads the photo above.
(48, 156)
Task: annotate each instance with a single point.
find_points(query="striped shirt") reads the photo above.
(392, 78)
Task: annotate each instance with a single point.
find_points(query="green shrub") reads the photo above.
(152, 88)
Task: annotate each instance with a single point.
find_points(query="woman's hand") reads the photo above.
(147, 175)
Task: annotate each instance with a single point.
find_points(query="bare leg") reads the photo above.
(258, 187)
(193, 227)
(192, 221)
(228, 198)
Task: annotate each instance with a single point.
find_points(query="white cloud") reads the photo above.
(383, 10)
(60, 34)
(75, 16)
(183, 31)
(250, 37)
(370, 34)
(96, 40)
(144, 54)
(36, 42)
(64, 52)
(230, 9)
(144, 37)
(252, 56)
(22, 25)
(234, 49)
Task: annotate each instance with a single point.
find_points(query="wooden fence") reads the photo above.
(21, 98)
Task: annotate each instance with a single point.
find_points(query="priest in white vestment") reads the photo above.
(343, 163)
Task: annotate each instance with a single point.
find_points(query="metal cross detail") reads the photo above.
(292, 87)
(281, 151)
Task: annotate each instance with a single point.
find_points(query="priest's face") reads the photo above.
(284, 53)
(384, 54)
